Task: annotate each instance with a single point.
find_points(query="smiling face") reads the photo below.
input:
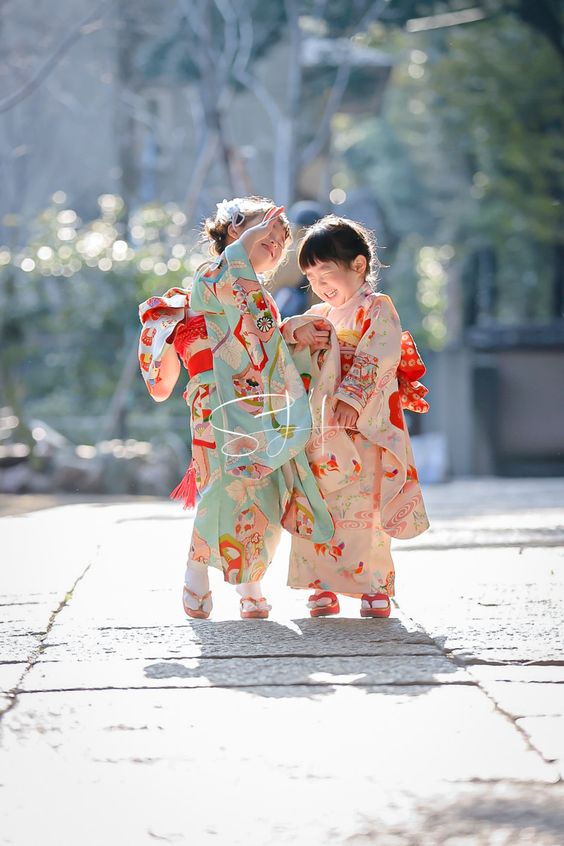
(334, 283)
(337, 255)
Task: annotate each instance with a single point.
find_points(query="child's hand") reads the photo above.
(344, 415)
(256, 233)
(312, 335)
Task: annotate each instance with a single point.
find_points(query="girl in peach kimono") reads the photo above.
(359, 451)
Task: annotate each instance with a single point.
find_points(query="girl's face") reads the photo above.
(335, 284)
(267, 253)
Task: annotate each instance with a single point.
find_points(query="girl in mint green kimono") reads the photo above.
(248, 402)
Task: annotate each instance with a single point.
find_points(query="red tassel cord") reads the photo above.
(187, 490)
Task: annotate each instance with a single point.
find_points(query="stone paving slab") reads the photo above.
(37, 556)
(271, 765)
(474, 513)
(205, 725)
(22, 504)
(335, 759)
(22, 627)
(27, 611)
(234, 672)
(237, 638)
(478, 532)
(10, 675)
(38, 571)
(499, 605)
(547, 735)
(517, 673)
(527, 699)
(146, 805)
(18, 647)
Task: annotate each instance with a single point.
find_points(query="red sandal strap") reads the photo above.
(327, 594)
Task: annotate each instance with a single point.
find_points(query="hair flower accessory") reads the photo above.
(230, 210)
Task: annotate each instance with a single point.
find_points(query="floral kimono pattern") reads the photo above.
(249, 416)
(368, 476)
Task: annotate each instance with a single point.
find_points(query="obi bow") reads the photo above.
(410, 369)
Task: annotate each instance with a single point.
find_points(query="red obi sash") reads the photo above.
(200, 362)
(197, 358)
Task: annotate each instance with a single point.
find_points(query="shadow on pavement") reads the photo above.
(273, 660)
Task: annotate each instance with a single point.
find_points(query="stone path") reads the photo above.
(124, 722)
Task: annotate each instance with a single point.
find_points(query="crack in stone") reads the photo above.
(36, 653)
(10, 604)
(275, 655)
(247, 685)
(460, 662)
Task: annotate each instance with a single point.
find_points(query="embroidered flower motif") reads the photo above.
(265, 322)
(321, 469)
(334, 550)
(253, 548)
(260, 302)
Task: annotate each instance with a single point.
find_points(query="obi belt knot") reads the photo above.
(410, 370)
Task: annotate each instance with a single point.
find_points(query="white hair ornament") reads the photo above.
(230, 210)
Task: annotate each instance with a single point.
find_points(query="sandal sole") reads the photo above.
(375, 612)
(324, 611)
(196, 615)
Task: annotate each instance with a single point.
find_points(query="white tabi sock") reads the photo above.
(196, 579)
(251, 590)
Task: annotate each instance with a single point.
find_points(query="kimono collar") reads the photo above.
(365, 288)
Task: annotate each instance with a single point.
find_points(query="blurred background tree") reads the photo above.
(466, 158)
(439, 123)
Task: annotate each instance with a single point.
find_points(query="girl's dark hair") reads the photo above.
(340, 240)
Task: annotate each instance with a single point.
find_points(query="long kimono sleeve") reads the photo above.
(376, 358)
(233, 282)
(159, 318)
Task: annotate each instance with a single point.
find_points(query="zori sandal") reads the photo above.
(254, 609)
(198, 613)
(324, 609)
(375, 605)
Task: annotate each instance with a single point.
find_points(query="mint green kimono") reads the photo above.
(250, 421)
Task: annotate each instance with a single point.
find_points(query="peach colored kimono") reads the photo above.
(367, 476)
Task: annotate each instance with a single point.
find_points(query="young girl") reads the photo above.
(250, 417)
(360, 452)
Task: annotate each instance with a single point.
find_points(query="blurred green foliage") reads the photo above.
(466, 160)
(70, 298)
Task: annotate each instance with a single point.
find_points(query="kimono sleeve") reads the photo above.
(376, 358)
(160, 317)
(235, 284)
(290, 324)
